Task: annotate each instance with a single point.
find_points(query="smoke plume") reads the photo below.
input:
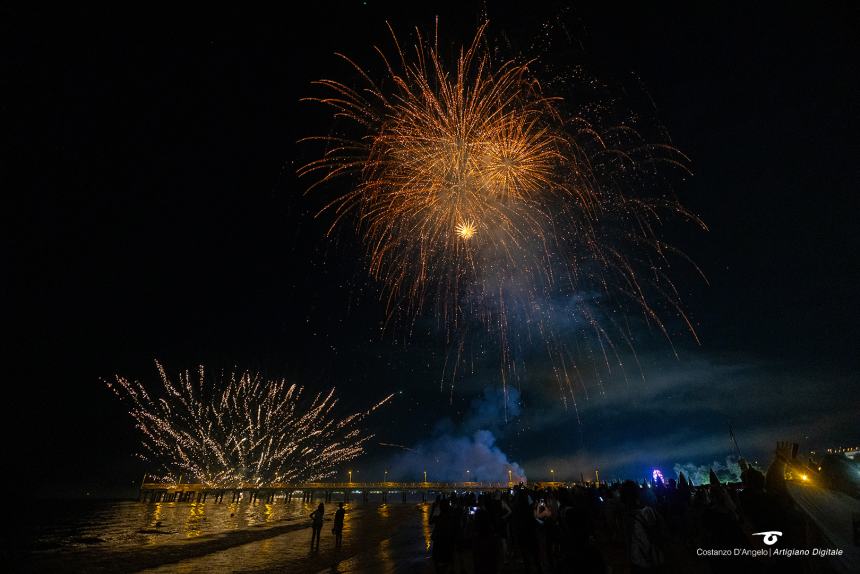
(470, 446)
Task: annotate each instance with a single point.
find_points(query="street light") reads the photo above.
(467, 475)
(425, 476)
(350, 476)
(509, 476)
(386, 476)
(552, 474)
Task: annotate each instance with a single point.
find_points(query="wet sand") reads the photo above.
(388, 538)
(377, 537)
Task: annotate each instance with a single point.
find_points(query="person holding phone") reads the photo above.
(542, 511)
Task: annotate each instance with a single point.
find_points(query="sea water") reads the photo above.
(130, 536)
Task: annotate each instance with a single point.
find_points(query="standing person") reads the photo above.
(644, 530)
(337, 529)
(505, 525)
(445, 526)
(316, 526)
(525, 531)
(543, 520)
(485, 544)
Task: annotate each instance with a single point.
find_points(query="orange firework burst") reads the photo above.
(479, 149)
(446, 149)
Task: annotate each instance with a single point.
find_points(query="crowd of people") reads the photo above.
(652, 526)
(623, 527)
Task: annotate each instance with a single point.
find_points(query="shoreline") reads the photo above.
(366, 528)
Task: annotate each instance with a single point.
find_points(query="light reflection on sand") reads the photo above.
(209, 537)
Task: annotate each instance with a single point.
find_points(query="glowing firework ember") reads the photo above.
(466, 229)
(538, 199)
(242, 430)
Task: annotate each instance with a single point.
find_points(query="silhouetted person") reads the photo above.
(485, 545)
(644, 528)
(525, 531)
(503, 525)
(758, 509)
(337, 529)
(720, 519)
(316, 526)
(576, 529)
(445, 526)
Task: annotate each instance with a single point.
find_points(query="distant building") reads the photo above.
(849, 451)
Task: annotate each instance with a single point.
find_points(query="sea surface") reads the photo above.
(103, 536)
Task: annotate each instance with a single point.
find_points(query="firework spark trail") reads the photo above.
(400, 446)
(477, 194)
(246, 430)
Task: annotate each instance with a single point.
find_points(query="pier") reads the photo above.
(340, 491)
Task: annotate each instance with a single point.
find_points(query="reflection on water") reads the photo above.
(425, 526)
(209, 537)
(63, 526)
(196, 516)
(154, 522)
(385, 561)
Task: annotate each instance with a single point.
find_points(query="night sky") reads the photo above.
(161, 217)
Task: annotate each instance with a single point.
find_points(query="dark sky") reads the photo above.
(160, 218)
